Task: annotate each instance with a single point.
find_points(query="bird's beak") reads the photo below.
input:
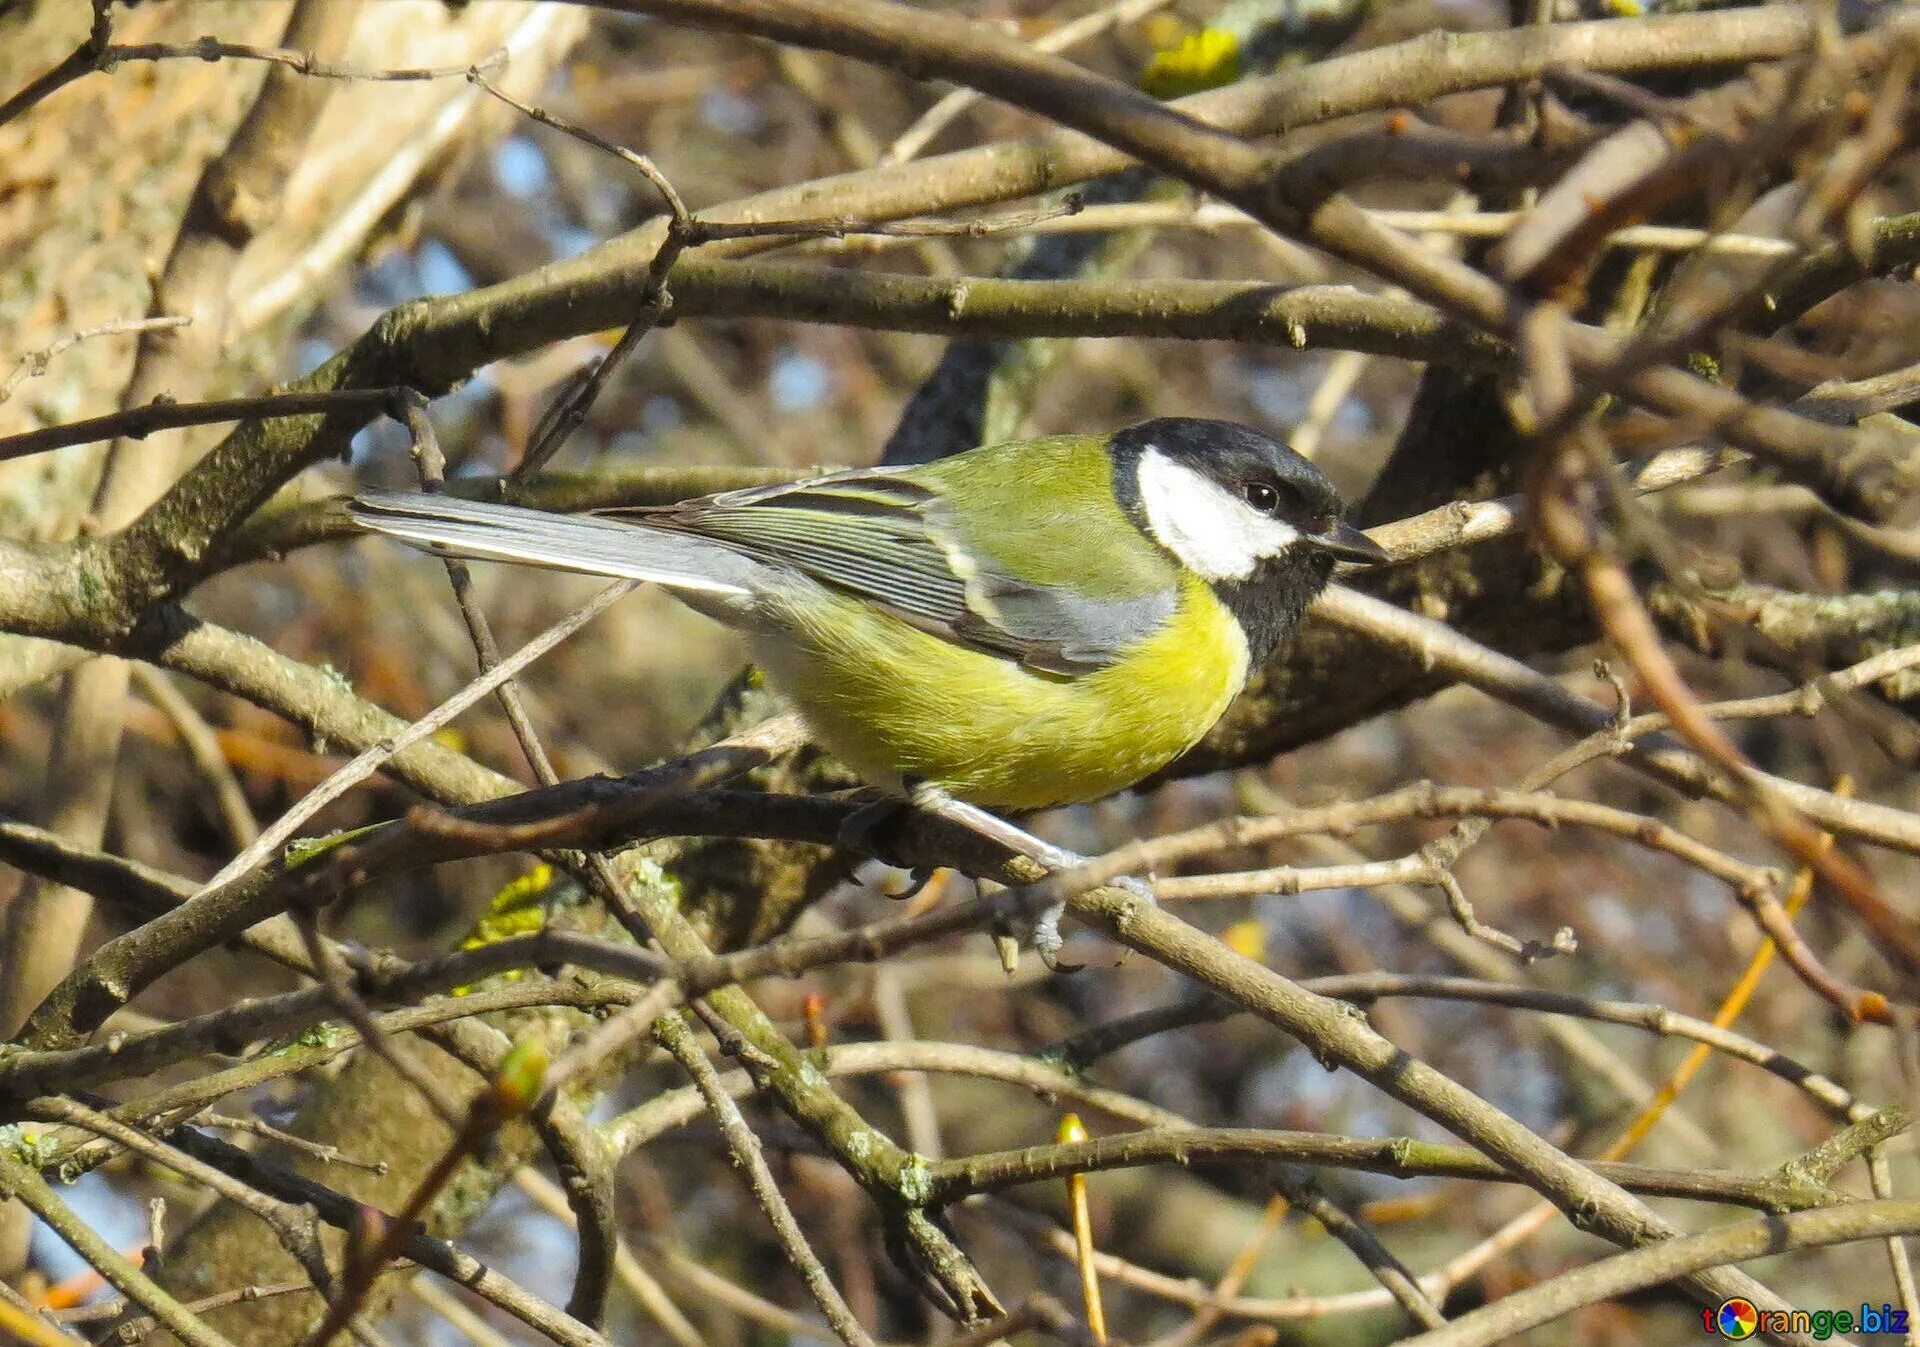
(1348, 543)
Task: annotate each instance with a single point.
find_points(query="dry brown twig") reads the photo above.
(1579, 361)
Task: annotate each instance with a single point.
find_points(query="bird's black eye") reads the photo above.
(1262, 496)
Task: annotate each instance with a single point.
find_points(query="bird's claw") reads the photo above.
(1048, 942)
(917, 880)
(1043, 933)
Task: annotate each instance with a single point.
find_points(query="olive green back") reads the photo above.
(1045, 509)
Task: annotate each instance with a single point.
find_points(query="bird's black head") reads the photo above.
(1251, 517)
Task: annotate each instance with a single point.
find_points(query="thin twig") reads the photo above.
(326, 1155)
(370, 761)
(1611, 1278)
(90, 58)
(35, 363)
(27, 1185)
(293, 1226)
(672, 1034)
(138, 422)
(641, 1284)
(909, 143)
(203, 748)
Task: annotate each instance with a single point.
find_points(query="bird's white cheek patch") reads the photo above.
(1208, 527)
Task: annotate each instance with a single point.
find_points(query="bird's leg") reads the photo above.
(1046, 938)
(973, 818)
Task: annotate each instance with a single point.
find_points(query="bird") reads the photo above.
(1026, 624)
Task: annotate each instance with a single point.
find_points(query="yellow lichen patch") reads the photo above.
(1204, 60)
(520, 908)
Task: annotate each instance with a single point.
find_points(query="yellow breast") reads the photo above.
(891, 701)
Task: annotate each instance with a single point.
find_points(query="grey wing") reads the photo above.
(861, 533)
(880, 536)
(1062, 632)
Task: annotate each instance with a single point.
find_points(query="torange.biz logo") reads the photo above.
(1739, 1319)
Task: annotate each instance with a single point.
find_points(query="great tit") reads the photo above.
(1027, 624)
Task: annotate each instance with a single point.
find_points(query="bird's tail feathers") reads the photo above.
(583, 544)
